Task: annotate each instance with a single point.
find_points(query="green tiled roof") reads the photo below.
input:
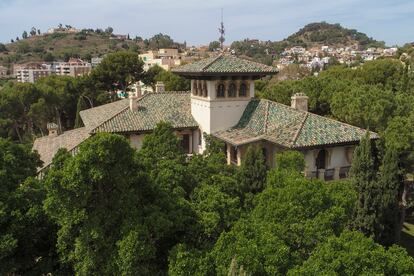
(172, 107)
(93, 117)
(289, 127)
(225, 64)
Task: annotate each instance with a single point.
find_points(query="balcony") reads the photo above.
(329, 174)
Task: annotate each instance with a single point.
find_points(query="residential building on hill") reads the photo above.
(3, 72)
(30, 72)
(74, 67)
(165, 58)
(221, 103)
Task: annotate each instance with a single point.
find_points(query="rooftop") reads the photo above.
(173, 107)
(289, 127)
(224, 64)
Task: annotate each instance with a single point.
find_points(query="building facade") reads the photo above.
(222, 103)
(31, 72)
(165, 58)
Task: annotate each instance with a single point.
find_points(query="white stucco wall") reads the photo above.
(337, 158)
(214, 114)
(136, 140)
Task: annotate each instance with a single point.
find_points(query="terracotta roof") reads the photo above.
(289, 127)
(93, 117)
(172, 107)
(47, 146)
(223, 64)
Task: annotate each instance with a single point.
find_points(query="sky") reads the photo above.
(197, 21)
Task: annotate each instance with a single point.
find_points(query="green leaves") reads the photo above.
(353, 254)
(118, 70)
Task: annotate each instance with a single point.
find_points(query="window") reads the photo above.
(221, 91)
(194, 88)
(321, 159)
(200, 89)
(232, 90)
(243, 90)
(200, 137)
(233, 155)
(185, 143)
(205, 89)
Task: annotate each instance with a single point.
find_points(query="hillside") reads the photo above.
(84, 44)
(323, 33)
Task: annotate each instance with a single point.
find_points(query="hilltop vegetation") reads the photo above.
(331, 34)
(85, 44)
(314, 34)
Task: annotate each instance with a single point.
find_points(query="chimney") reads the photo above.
(52, 129)
(159, 87)
(133, 101)
(300, 101)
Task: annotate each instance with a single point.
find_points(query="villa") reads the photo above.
(221, 103)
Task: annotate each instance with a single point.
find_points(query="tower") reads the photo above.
(221, 88)
(221, 31)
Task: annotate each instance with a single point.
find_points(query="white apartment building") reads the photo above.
(30, 72)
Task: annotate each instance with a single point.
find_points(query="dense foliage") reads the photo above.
(111, 210)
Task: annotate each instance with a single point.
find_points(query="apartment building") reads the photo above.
(30, 72)
(74, 67)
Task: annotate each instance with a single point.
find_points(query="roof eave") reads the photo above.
(226, 74)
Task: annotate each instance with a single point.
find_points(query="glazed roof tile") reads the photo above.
(172, 107)
(289, 127)
(224, 63)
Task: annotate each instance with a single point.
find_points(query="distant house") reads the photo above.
(95, 61)
(166, 58)
(222, 103)
(3, 72)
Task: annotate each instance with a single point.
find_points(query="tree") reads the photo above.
(288, 221)
(27, 237)
(80, 106)
(98, 203)
(109, 30)
(363, 177)
(172, 81)
(353, 254)
(253, 170)
(392, 184)
(118, 70)
(160, 41)
(48, 57)
(149, 77)
(33, 31)
(24, 35)
(213, 46)
(3, 48)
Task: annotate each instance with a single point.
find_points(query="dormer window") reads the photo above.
(243, 90)
(221, 91)
(232, 90)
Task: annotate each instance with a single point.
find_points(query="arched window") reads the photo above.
(200, 88)
(243, 90)
(194, 88)
(321, 159)
(221, 93)
(205, 89)
(232, 90)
